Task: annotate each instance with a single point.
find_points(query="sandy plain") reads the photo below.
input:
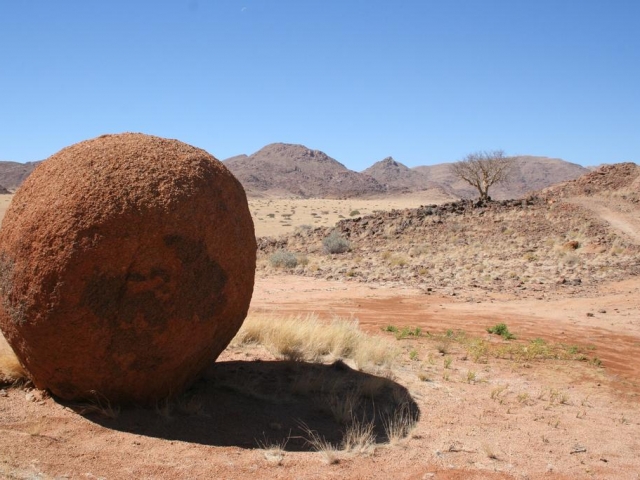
(276, 216)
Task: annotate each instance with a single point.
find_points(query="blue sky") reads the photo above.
(422, 80)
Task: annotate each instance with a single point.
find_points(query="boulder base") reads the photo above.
(127, 265)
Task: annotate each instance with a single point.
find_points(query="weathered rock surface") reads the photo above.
(126, 265)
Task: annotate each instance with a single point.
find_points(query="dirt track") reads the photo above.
(625, 222)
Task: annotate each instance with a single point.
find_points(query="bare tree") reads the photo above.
(482, 170)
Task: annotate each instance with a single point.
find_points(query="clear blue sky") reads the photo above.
(422, 80)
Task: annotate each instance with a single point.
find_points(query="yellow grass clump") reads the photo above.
(10, 369)
(307, 338)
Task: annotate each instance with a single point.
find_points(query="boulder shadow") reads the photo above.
(264, 404)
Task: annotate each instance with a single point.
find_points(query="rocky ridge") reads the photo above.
(396, 177)
(12, 174)
(533, 246)
(530, 174)
(620, 178)
(299, 171)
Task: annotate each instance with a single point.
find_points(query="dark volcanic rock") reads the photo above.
(126, 266)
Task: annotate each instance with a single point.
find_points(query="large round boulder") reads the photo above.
(127, 265)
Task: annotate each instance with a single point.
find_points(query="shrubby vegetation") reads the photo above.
(334, 243)
(283, 259)
(502, 330)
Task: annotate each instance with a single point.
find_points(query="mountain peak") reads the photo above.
(291, 152)
(301, 171)
(396, 176)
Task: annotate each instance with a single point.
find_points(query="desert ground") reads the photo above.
(424, 391)
(276, 216)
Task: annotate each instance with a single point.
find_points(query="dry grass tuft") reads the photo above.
(342, 405)
(309, 339)
(273, 452)
(11, 372)
(399, 424)
(359, 437)
(328, 451)
(99, 405)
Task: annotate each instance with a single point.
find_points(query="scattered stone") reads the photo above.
(4, 393)
(571, 245)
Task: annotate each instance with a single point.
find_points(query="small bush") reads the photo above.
(354, 213)
(408, 332)
(397, 261)
(334, 243)
(502, 330)
(303, 229)
(283, 259)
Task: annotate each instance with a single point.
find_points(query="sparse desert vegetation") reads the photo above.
(270, 220)
(306, 338)
(535, 248)
(489, 342)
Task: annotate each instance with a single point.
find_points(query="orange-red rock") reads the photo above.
(126, 265)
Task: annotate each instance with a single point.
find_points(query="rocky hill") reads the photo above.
(12, 174)
(565, 239)
(622, 179)
(530, 174)
(299, 171)
(396, 177)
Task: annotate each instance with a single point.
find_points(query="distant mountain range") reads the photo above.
(530, 174)
(284, 169)
(281, 169)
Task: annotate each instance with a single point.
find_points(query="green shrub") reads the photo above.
(502, 330)
(283, 259)
(354, 213)
(334, 243)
